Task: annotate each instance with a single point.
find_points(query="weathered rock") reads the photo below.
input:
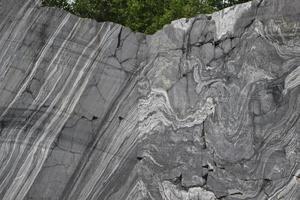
(206, 108)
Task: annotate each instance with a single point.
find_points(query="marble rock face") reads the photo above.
(207, 108)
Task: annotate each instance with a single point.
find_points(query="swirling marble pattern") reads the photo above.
(207, 108)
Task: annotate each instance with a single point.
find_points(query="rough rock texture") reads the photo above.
(207, 108)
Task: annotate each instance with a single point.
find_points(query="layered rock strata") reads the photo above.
(206, 108)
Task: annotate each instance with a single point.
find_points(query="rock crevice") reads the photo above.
(206, 108)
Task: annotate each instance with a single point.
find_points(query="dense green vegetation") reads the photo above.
(140, 15)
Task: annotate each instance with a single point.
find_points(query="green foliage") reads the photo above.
(58, 3)
(140, 15)
(220, 5)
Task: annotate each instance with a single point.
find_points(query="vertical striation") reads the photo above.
(207, 108)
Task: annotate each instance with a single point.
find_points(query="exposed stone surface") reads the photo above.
(207, 108)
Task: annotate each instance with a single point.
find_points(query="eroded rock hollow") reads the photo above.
(206, 108)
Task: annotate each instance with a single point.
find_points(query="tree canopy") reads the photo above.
(145, 16)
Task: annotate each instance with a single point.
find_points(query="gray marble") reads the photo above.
(207, 108)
